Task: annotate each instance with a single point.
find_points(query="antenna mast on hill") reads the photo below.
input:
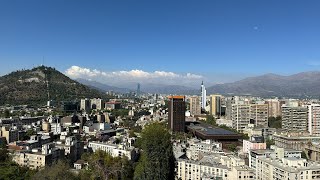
(46, 79)
(42, 61)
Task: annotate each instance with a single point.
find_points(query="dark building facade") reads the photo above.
(176, 118)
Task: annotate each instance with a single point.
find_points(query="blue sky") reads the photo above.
(219, 40)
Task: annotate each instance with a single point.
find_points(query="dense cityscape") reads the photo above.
(160, 136)
(159, 90)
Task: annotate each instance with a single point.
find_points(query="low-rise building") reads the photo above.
(72, 147)
(38, 158)
(188, 169)
(294, 140)
(253, 145)
(241, 173)
(217, 166)
(114, 149)
(197, 147)
(286, 168)
(273, 153)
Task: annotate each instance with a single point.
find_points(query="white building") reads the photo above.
(203, 96)
(113, 149)
(56, 128)
(314, 119)
(241, 173)
(215, 166)
(37, 158)
(274, 153)
(96, 103)
(286, 168)
(199, 169)
(197, 148)
(85, 105)
(253, 145)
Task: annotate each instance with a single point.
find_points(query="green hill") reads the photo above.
(31, 87)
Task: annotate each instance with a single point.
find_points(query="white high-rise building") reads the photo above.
(85, 104)
(96, 103)
(314, 119)
(203, 96)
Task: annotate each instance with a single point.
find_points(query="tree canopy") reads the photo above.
(275, 122)
(157, 161)
(103, 166)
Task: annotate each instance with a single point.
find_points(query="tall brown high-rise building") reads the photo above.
(176, 118)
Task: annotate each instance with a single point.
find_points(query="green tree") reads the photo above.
(232, 147)
(269, 142)
(157, 161)
(3, 151)
(103, 166)
(9, 169)
(6, 113)
(211, 120)
(28, 134)
(131, 133)
(275, 122)
(57, 171)
(245, 136)
(304, 155)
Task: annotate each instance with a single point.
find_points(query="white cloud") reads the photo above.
(120, 77)
(78, 72)
(194, 76)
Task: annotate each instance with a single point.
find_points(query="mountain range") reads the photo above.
(301, 85)
(32, 86)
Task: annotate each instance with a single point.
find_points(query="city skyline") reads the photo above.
(220, 41)
(160, 90)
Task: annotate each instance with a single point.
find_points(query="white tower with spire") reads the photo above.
(203, 96)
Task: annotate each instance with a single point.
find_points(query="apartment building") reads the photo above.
(286, 168)
(195, 106)
(196, 170)
(38, 158)
(314, 119)
(197, 147)
(294, 118)
(294, 140)
(274, 107)
(72, 146)
(240, 116)
(245, 114)
(215, 166)
(274, 152)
